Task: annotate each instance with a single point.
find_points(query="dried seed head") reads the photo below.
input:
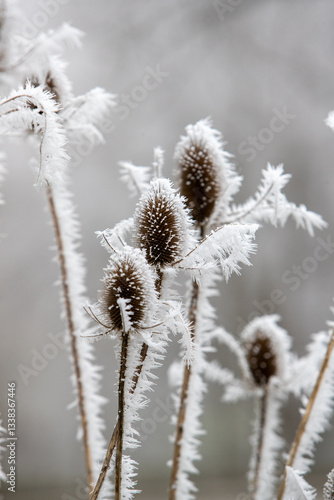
(261, 358)
(266, 347)
(162, 224)
(129, 290)
(329, 486)
(201, 170)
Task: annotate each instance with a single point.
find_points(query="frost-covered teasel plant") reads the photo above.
(190, 230)
(44, 110)
(164, 232)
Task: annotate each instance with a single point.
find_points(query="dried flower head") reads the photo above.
(329, 486)
(266, 346)
(162, 224)
(201, 170)
(128, 298)
(261, 358)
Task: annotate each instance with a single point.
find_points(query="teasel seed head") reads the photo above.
(201, 170)
(162, 224)
(129, 283)
(329, 486)
(266, 347)
(261, 358)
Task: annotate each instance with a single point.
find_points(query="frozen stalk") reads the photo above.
(201, 175)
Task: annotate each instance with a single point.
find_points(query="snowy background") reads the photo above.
(242, 66)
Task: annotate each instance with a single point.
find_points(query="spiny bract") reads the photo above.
(162, 224)
(129, 278)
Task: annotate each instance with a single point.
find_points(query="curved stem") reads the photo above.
(121, 410)
(306, 416)
(71, 330)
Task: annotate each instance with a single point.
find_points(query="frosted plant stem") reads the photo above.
(183, 400)
(121, 409)
(71, 330)
(303, 423)
(115, 434)
(258, 457)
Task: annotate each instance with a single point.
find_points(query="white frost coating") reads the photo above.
(296, 487)
(116, 238)
(227, 246)
(27, 104)
(270, 205)
(138, 400)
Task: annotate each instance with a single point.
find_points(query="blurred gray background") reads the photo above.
(239, 64)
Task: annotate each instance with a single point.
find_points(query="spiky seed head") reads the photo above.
(162, 224)
(267, 349)
(130, 279)
(329, 486)
(261, 358)
(200, 171)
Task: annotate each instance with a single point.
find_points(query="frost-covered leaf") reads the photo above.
(269, 204)
(136, 177)
(227, 246)
(296, 487)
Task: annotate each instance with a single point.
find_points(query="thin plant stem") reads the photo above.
(121, 410)
(306, 416)
(71, 330)
(184, 392)
(259, 450)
